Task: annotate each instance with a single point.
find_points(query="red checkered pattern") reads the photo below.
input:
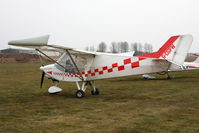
(105, 68)
(65, 74)
(114, 65)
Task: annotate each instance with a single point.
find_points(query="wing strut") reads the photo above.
(75, 64)
(60, 64)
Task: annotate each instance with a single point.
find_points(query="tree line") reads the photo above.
(122, 47)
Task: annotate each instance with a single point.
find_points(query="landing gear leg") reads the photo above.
(54, 89)
(168, 76)
(165, 73)
(94, 91)
(81, 91)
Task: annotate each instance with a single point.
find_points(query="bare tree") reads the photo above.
(86, 48)
(124, 47)
(101, 47)
(134, 46)
(119, 47)
(148, 48)
(114, 47)
(139, 47)
(92, 48)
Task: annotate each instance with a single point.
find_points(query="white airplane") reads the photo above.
(194, 64)
(86, 67)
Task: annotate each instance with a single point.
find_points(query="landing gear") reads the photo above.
(168, 76)
(80, 94)
(165, 73)
(96, 92)
(54, 89)
(81, 91)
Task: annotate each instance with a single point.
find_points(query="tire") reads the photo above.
(80, 94)
(96, 92)
(92, 92)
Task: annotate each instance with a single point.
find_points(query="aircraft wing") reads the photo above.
(41, 43)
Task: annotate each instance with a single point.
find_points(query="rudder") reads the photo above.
(175, 50)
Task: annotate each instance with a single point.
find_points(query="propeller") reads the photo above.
(42, 79)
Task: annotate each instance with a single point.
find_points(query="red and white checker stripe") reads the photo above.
(112, 68)
(101, 71)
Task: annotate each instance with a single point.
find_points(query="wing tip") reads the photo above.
(36, 41)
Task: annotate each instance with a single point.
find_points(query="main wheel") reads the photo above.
(96, 92)
(80, 94)
(169, 77)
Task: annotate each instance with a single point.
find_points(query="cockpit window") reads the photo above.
(65, 61)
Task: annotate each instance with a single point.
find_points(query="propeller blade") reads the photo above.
(42, 79)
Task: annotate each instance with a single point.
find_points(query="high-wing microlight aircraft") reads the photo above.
(86, 67)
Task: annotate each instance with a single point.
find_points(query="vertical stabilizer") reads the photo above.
(175, 50)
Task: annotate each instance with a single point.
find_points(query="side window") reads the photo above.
(64, 60)
(69, 66)
(81, 62)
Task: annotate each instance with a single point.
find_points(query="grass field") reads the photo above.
(125, 105)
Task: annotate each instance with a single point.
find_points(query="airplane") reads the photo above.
(192, 65)
(85, 67)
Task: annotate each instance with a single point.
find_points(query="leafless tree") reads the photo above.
(86, 48)
(114, 47)
(101, 47)
(92, 48)
(148, 48)
(134, 46)
(139, 47)
(121, 47)
(124, 47)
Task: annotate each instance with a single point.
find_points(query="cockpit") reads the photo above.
(67, 63)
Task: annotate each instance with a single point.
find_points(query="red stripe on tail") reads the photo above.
(164, 51)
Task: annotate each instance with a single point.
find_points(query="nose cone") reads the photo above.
(47, 68)
(42, 68)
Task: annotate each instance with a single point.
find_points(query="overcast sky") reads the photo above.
(79, 23)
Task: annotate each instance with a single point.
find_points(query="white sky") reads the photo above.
(79, 23)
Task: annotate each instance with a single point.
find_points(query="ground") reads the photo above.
(127, 104)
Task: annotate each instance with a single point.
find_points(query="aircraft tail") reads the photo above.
(175, 50)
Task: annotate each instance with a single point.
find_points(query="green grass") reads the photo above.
(125, 105)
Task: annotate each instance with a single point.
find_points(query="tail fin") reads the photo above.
(175, 50)
(166, 51)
